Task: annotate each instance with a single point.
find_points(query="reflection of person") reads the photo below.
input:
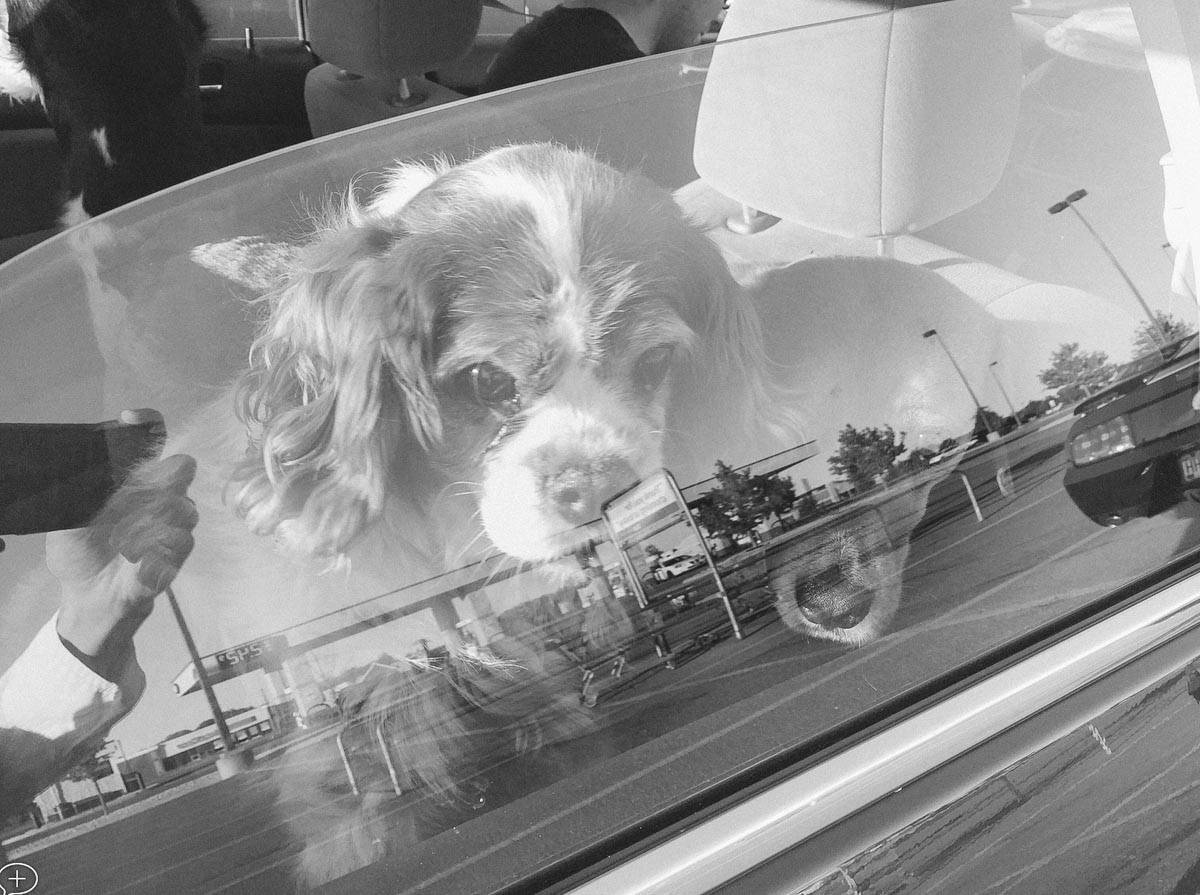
(606, 625)
(79, 675)
(581, 34)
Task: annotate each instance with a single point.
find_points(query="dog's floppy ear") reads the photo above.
(338, 386)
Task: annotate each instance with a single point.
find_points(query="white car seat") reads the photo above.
(859, 131)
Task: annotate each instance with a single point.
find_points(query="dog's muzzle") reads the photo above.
(577, 490)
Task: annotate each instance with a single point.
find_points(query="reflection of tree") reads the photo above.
(805, 506)
(740, 501)
(92, 769)
(917, 459)
(994, 422)
(777, 493)
(1035, 408)
(1072, 370)
(1147, 338)
(865, 455)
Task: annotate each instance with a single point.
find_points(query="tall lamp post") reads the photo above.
(1069, 202)
(231, 762)
(1007, 399)
(933, 333)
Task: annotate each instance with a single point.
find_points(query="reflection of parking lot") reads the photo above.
(1032, 558)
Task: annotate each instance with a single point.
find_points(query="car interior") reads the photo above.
(938, 673)
(276, 74)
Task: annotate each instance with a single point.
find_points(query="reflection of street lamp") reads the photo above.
(1007, 399)
(979, 407)
(1069, 202)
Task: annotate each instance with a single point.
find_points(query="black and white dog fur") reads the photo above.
(119, 82)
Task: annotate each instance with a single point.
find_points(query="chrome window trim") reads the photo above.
(717, 850)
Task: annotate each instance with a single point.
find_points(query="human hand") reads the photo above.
(111, 571)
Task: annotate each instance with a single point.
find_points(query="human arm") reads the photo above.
(79, 675)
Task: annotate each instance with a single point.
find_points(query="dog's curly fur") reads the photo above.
(543, 264)
(531, 327)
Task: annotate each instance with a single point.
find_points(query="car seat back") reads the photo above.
(375, 52)
(862, 119)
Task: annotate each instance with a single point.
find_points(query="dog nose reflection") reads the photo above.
(578, 490)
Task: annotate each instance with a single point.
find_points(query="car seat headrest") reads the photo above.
(391, 39)
(862, 118)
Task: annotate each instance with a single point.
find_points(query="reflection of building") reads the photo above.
(186, 751)
(68, 797)
(829, 493)
(181, 754)
(186, 748)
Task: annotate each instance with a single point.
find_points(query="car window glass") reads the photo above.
(930, 422)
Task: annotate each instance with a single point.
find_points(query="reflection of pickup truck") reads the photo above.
(674, 566)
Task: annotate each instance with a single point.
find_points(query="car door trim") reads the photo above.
(719, 849)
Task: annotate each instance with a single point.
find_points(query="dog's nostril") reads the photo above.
(572, 494)
(577, 490)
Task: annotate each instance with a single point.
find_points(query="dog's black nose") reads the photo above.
(570, 497)
(572, 494)
(578, 491)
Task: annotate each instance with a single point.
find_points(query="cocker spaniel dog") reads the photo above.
(483, 350)
(528, 323)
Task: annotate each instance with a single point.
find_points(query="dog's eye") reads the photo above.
(651, 368)
(490, 386)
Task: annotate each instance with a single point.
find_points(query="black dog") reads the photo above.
(120, 82)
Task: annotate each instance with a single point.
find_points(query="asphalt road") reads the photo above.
(1032, 555)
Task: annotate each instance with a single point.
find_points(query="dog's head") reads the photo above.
(515, 324)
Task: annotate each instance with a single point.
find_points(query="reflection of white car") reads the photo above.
(676, 566)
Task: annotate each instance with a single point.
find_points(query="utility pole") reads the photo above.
(933, 333)
(1007, 399)
(205, 684)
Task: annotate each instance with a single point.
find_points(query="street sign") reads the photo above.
(649, 501)
(659, 541)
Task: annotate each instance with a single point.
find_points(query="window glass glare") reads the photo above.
(562, 503)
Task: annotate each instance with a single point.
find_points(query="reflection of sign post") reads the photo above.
(649, 501)
(648, 508)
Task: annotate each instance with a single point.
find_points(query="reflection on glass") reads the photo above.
(449, 664)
